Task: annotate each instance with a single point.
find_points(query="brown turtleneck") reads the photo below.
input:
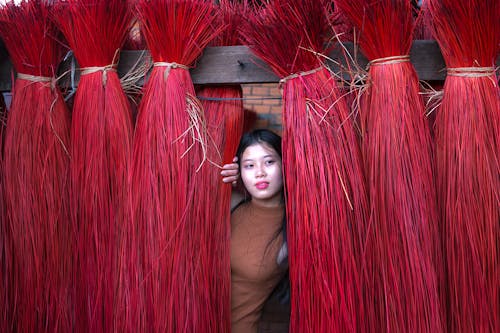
(255, 241)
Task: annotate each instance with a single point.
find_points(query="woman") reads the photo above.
(258, 249)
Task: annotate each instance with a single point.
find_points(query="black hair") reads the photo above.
(259, 136)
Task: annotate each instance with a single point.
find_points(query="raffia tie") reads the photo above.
(169, 66)
(388, 61)
(34, 78)
(471, 71)
(104, 69)
(299, 74)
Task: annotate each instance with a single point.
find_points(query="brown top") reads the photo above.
(254, 270)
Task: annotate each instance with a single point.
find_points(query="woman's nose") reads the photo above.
(260, 172)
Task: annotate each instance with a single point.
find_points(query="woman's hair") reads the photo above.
(265, 136)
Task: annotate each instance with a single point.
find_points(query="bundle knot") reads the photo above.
(169, 66)
(95, 69)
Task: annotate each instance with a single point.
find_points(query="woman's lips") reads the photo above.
(262, 185)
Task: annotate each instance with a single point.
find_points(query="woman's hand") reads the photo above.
(230, 172)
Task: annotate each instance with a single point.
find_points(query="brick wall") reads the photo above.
(265, 100)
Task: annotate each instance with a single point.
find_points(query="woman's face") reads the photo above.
(261, 174)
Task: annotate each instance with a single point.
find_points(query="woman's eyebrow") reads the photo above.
(252, 159)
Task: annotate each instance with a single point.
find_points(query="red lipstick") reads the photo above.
(262, 185)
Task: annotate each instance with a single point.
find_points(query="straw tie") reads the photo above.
(299, 74)
(471, 71)
(389, 61)
(35, 78)
(95, 69)
(169, 66)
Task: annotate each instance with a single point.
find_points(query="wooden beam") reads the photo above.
(238, 65)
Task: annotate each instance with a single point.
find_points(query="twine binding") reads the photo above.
(389, 61)
(471, 71)
(35, 78)
(104, 69)
(169, 66)
(299, 74)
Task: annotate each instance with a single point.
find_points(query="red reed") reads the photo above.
(402, 250)
(324, 184)
(169, 148)
(36, 174)
(101, 148)
(135, 42)
(423, 29)
(3, 228)
(224, 118)
(468, 142)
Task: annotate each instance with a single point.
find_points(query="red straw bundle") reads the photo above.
(36, 173)
(324, 185)
(3, 220)
(101, 148)
(169, 148)
(224, 117)
(468, 165)
(402, 239)
(423, 29)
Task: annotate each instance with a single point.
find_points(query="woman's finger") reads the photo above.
(230, 166)
(231, 179)
(229, 172)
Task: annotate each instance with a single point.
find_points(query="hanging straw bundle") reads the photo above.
(402, 240)
(135, 38)
(468, 142)
(224, 117)
(101, 148)
(423, 28)
(133, 80)
(36, 173)
(324, 183)
(169, 149)
(3, 220)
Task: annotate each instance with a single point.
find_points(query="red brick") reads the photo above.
(260, 91)
(252, 100)
(261, 123)
(276, 110)
(271, 102)
(274, 90)
(247, 89)
(261, 108)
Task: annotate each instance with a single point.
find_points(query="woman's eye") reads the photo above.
(270, 162)
(248, 166)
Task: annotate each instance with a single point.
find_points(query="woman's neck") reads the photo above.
(276, 201)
